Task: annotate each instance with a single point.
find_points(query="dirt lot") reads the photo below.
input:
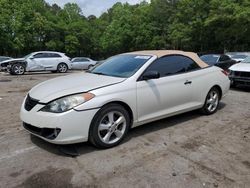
(188, 150)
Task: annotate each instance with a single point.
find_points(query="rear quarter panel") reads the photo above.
(208, 78)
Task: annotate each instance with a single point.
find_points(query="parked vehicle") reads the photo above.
(125, 91)
(219, 60)
(38, 61)
(240, 73)
(82, 63)
(237, 53)
(4, 58)
(238, 57)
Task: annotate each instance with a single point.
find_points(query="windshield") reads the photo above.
(25, 57)
(210, 59)
(239, 56)
(246, 60)
(121, 65)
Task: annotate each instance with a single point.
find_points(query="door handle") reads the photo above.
(188, 82)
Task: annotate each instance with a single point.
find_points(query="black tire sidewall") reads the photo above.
(93, 132)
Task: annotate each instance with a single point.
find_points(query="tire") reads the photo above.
(212, 102)
(109, 126)
(62, 68)
(17, 69)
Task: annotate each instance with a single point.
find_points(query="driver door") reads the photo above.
(35, 63)
(171, 93)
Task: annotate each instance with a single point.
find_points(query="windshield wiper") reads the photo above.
(99, 73)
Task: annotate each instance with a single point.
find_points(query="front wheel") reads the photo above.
(17, 69)
(62, 68)
(109, 126)
(212, 102)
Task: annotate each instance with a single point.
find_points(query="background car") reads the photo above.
(219, 60)
(238, 57)
(4, 58)
(240, 73)
(82, 63)
(123, 92)
(38, 61)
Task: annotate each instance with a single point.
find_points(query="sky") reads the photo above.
(94, 7)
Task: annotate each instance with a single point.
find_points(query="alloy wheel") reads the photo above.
(62, 68)
(18, 69)
(112, 127)
(212, 101)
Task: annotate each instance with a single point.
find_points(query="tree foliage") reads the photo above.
(195, 25)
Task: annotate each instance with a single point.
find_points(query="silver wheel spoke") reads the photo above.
(215, 96)
(111, 117)
(120, 120)
(103, 127)
(210, 107)
(118, 133)
(107, 137)
(210, 101)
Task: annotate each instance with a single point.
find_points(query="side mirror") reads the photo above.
(151, 75)
(32, 57)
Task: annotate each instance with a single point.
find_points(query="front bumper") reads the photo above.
(62, 128)
(236, 80)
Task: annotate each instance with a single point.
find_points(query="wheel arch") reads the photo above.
(19, 62)
(126, 106)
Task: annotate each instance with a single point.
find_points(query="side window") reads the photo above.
(173, 64)
(189, 64)
(40, 55)
(54, 55)
(84, 59)
(224, 58)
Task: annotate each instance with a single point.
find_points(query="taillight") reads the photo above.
(225, 72)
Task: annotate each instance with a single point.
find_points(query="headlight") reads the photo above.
(67, 103)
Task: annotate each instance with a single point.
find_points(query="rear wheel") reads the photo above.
(109, 126)
(62, 68)
(17, 69)
(212, 102)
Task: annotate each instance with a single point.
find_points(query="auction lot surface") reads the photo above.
(188, 150)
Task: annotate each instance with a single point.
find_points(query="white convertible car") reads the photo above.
(125, 91)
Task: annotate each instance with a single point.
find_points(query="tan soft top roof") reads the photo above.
(161, 53)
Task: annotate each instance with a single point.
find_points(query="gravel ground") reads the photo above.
(188, 150)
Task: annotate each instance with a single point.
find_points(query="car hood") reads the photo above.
(13, 60)
(244, 67)
(71, 84)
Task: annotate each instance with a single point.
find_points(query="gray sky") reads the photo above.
(95, 7)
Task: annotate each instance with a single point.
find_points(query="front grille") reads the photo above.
(30, 103)
(48, 133)
(242, 74)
